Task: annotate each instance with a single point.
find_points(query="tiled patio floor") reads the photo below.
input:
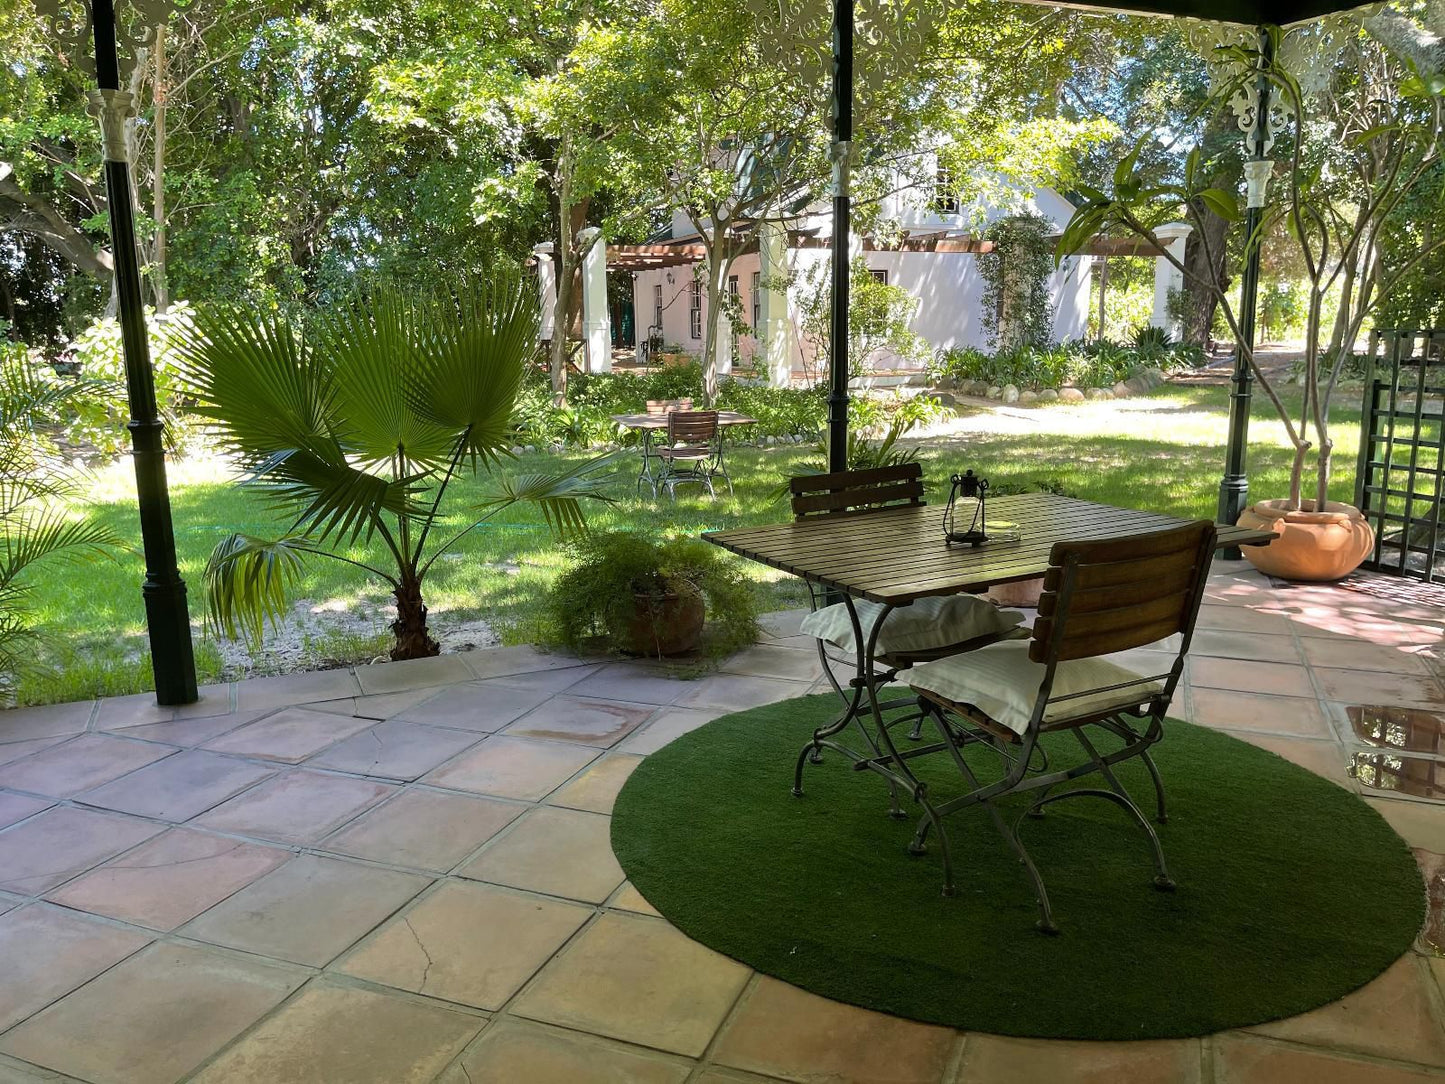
(403, 874)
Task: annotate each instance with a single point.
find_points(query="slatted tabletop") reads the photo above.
(659, 421)
(897, 555)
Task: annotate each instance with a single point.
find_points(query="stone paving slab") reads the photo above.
(403, 872)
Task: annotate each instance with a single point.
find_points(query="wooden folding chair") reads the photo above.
(690, 451)
(1099, 597)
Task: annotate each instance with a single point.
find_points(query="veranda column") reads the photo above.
(596, 321)
(1167, 277)
(546, 287)
(774, 323)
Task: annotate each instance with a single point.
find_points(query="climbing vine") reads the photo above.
(1016, 309)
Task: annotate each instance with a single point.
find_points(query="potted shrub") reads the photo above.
(643, 595)
(1356, 151)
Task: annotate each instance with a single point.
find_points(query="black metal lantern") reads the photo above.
(965, 520)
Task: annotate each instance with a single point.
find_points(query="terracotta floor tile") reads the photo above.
(1242, 619)
(522, 659)
(1326, 758)
(48, 952)
(474, 707)
(16, 807)
(63, 771)
(1390, 1017)
(1254, 646)
(544, 681)
(1291, 715)
(1275, 679)
(395, 750)
(331, 1032)
(599, 723)
(424, 829)
(639, 980)
(1328, 624)
(1372, 687)
(781, 1031)
(472, 944)
(17, 1072)
(1420, 824)
(58, 844)
(627, 682)
(190, 732)
(393, 677)
(308, 911)
(380, 706)
(1355, 655)
(733, 692)
(14, 750)
(296, 806)
(988, 1059)
(289, 689)
(513, 768)
(596, 789)
(667, 726)
(117, 712)
(766, 660)
(154, 1017)
(289, 736)
(170, 879)
(179, 787)
(517, 1050)
(1239, 1060)
(560, 852)
(49, 721)
(628, 898)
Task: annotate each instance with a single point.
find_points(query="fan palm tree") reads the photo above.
(358, 423)
(35, 484)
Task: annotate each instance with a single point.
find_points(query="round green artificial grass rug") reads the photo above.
(1292, 892)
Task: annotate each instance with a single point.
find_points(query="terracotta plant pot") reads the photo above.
(1311, 545)
(1018, 593)
(667, 625)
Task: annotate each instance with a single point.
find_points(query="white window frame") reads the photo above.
(694, 309)
(657, 306)
(757, 303)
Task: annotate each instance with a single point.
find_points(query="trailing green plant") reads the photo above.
(34, 481)
(1016, 308)
(358, 423)
(595, 602)
(880, 317)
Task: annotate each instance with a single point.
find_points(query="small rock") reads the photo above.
(770, 441)
(1121, 390)
(978, 388)
(1028, 397)
(1137, 385)
(1156, 377)
(1010, 393)
(1071, 395)
(994, 392)
(1048, 395)
(941, 397)
(1098, 393)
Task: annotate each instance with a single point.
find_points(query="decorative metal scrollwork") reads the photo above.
(70, 21)
(890, 36)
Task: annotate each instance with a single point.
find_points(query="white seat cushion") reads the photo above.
(1003, 682)
(927, 624)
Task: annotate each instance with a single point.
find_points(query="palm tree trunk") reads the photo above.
(413, 641)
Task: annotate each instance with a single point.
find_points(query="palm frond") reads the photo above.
(51, 534)
(246, 583)
(559, 495)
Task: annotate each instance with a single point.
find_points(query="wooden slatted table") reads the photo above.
(897, 555)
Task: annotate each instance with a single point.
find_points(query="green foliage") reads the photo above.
(1076, 364)
(594, 603)
(880, 317)
(1016, 309)
(357, 424)
(97, 413)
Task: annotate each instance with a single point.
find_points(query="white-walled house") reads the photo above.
(929, 254)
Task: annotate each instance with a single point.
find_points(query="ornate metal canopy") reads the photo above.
(73, 24)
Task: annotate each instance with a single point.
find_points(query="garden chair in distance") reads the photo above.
(691, 450)
(1100, 597)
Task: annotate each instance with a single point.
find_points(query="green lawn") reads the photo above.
(1162, 452)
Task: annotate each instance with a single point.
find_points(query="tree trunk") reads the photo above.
(159, 289)
(571, 217)
(1204, 263)
(413, 641)
(718, 266)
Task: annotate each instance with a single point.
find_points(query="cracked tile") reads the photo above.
(179, 787)
(62, 842)
(395, 750)
(63, 771)
(513, 768)
(480, 708)
(297, 806)
(560, 852)
(518, 1050)
(288, 736)
(424, 829)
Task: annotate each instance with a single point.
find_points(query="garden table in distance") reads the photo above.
(648, 424)
(895, 556)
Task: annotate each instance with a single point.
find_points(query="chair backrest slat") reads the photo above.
(855, 490)
(1117, 593)
(691, 426)
(659, 407)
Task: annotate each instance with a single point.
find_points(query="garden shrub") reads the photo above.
(1082, 365)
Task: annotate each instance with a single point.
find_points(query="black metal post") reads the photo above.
(172, 658)
(842, 229)
(1234, 486)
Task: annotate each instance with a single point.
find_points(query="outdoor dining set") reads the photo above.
(691, 448)
(901, 597)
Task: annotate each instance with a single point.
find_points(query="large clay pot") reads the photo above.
(668, 624)
(1311, 545)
